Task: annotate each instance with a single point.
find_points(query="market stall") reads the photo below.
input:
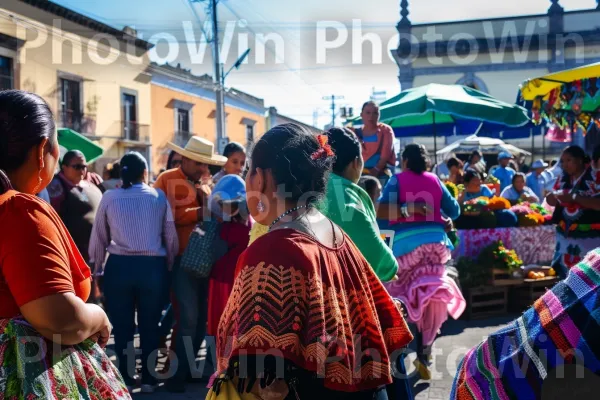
(564, 101)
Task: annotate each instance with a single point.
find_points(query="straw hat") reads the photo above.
(199, 150)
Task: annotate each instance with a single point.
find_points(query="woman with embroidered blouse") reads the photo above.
(305, 300)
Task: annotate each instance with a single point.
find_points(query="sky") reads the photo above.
(294, 73)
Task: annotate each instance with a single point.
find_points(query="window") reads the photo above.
(183, 120)
(129, 114)
(70, 104)
(250, 134)
(6, 73)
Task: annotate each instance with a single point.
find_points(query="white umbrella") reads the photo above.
(483, 144)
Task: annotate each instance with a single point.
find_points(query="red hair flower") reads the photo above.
(325, 149)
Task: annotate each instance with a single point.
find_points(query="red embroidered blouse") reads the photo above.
(323, 309)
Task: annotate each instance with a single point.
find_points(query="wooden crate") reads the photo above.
(502, 277)
(486, 302)
(523, 296)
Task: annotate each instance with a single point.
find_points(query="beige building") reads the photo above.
(92, 75)
(183, 105)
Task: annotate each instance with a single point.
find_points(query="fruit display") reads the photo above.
(537, 273)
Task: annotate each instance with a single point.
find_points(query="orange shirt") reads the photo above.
(183, 198)
(38, 257)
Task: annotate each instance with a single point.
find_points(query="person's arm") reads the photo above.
(365, 234)
(387, 148)
(530, 196)
(169, 235)
(551, 197)
(388, 207)
(100, 237)
(66, 319)
(36, 268)
(450, 206)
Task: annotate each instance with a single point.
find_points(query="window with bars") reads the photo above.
(6, 73)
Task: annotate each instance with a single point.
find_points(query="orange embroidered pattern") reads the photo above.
(344, 335)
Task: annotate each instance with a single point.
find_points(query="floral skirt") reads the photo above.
(426, 289)
(32, 367)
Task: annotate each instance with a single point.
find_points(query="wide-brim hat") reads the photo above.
(539, 164)
(504, 155)
(200, 150)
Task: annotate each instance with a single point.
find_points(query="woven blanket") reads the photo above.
(562, 327)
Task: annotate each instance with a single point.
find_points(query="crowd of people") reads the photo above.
(277, 257)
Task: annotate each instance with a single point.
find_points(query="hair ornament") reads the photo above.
(324, 150)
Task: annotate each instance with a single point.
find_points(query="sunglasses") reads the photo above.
(79, 167)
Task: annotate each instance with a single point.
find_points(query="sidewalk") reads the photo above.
(457, 337)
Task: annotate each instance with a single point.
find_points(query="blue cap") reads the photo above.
(504, 155)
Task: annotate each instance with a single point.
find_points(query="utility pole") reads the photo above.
(219, 82)
(333, 98)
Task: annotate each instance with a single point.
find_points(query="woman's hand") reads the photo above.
(419, 209)
(103, 335)
(564, 197)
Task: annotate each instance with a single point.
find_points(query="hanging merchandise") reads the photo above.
(572, 106)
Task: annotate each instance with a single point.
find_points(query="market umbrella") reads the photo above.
(436, 107)
(568, 99)
(68, 139)
(483, 144)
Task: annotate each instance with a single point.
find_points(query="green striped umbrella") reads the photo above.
(447, 105)
(68, 139)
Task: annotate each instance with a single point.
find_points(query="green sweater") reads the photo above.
(349, 206)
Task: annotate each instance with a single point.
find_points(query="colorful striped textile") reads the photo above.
(562, 327)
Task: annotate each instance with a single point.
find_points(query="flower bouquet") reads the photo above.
(498, 203)
(474, 207)
(493, 183)
(500, 257)
(452, 188)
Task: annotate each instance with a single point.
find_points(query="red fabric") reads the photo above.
(38, 257)
(237, 237)
(323, 309)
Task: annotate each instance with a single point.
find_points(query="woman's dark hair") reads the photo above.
(115, 171)
(454, 162)
(346, 147)
(25, 120)
(369, 183)
(475, 153)
(518, 175)
(578, 153)
(133, 165)
(70, 156)
(369, 103)
(170, 159)
(233, 148)
(470, 174)
(596, 154)
(416, 157)
(290, 152)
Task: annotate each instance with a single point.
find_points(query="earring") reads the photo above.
(261, 206)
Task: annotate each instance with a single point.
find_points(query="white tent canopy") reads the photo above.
(483, 144)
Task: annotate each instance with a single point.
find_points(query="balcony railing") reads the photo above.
(79, 122)
(135, 132)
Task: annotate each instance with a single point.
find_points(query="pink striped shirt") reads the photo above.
(133, 222)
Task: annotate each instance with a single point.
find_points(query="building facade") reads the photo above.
(93, 76)
(496, 55)
(184, 105)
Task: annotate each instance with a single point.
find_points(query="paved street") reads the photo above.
(457, 337)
